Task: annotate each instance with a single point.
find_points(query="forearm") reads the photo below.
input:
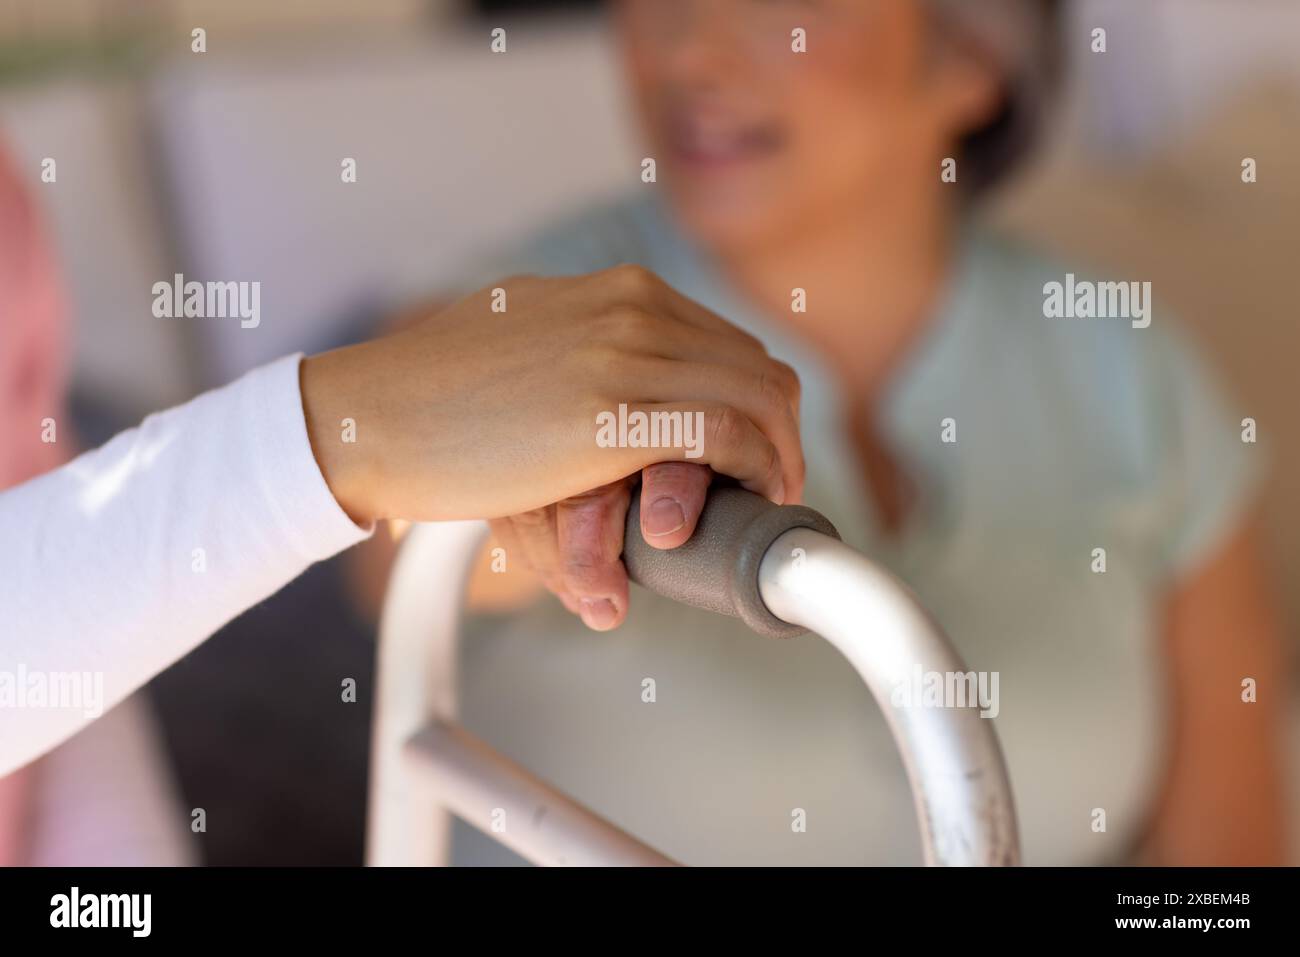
(1224, 798)
(124, 560)
(121, 562)
(1223, 803)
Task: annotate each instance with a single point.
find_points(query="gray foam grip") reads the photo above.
(717, 569)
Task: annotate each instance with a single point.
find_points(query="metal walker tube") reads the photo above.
(782, 570)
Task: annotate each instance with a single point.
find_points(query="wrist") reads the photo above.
(331, 415)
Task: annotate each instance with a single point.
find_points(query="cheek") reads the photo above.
(858, 105)
(845, 127)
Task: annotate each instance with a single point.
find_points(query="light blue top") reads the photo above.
(1071, 434)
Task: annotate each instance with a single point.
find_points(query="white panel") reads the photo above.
(458, 150)
(107, 232)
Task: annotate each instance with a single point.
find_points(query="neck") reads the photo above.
(871, 272)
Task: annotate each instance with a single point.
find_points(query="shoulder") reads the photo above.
(1081, 335)
(1106, 378)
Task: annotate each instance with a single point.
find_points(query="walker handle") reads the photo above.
(717, 569)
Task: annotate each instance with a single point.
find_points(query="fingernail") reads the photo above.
(780, 493)
(598, 613)
(664, 517)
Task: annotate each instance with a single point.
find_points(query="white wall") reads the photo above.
(111, 242)
(1172, 62)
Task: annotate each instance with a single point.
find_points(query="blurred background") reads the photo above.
(209, 165)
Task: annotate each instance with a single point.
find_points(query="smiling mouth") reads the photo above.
(715, 144)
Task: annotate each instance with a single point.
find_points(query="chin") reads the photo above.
(724, 218)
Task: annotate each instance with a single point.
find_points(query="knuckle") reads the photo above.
(634, 279)
(787, 378)
(674, 474)
(727, 428)
(771, 463)
(771, 390)
(581, 560)
(771, 460)
(583, 569)
(532, 520)
(630, 325)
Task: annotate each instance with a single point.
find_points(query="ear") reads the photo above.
(969, 89)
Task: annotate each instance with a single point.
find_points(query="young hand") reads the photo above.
(479, 412)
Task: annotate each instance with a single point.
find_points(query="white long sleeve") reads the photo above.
(122, 561)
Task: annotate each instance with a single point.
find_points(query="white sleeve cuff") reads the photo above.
(285, 467)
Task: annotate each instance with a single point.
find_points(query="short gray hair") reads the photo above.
(1023, 37)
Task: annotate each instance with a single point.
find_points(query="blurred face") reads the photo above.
(754, 139)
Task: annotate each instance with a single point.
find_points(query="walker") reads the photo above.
(781, 569)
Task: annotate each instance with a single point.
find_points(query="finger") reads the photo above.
(590, 533)
(649, 333)
(711, 434)
(506, 533)
(764, 397)
(535, 535)
(672, 497)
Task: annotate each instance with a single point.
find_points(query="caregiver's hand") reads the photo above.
(482, 413)
(575, 545)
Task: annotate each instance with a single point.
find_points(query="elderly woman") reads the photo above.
(1070, 498)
